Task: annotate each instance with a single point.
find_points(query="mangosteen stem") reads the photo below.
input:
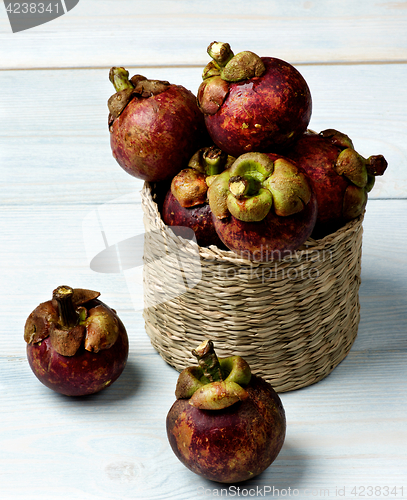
(231, 67)
(120, 79)
(240, 186)
(68, 317)
(215, 160)
(376, 165)
(220, 52)
(208, 361)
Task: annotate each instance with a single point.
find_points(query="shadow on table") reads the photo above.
(123, 388)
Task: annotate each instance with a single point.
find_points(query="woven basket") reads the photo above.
(293, 321)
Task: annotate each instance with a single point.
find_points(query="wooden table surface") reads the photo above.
(346, 435)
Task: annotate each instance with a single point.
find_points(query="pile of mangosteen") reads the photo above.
(238, 164)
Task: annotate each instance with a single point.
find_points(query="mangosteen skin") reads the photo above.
(85, 372)
(198, 218)
(154, 137)
(272, 238)
(264, 113)
(233, 444)
(317, 156)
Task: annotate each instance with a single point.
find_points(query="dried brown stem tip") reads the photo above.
(376, 165)
(68, 317)
(208, 361)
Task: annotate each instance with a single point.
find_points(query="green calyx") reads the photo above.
(337, 138)
(210, 161)
(102, 328)
(257, 166)
(218, 192)
(230, 67)
(126, 89)
(243, 66)
(211, 94)
(350, 164)
(64, 309)
(290, 188)
(353, 166)
(354, 201)
(359, 171)
(216, 383)
(252, 208)
(254, 184)
(69, 324)
(124, 92)
(190, 185)
(371, 179)
(225, 68)
(218, 395)
(139, 84)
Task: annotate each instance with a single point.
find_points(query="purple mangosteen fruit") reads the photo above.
(263, 206)
(198, 218)
(186, 204)
(227, 424)
(76, 344)
(252, 103)
(155, 126)
(341, 177)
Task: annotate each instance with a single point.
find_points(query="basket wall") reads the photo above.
(294, 321)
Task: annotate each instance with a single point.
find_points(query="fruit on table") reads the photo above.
(76, 344)
(341, 177)
(185, 204)
(252, 103)
(263, 206)
(227, 424)
(155, 127)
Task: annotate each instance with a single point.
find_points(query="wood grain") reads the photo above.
(303, 31)
(58, 175)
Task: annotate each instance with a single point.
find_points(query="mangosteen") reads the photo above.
(186, 204)
(341, 177)
(155, 126)
(76, 344)
(263, 206)
(227, 424)
(198, 218)
(252, 103)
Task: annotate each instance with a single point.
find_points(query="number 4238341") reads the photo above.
(32, 8)
(377, 491)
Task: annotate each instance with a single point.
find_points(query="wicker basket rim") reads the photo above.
(213, 252)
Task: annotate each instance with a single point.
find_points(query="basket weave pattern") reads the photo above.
(293, 320)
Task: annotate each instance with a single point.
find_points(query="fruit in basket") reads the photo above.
(341, 177)
(227, 424)
(191, 184)
(252, 103)
(155, 126)
(186, 205)
(76, 344)
(198, 218)
(263, 206)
